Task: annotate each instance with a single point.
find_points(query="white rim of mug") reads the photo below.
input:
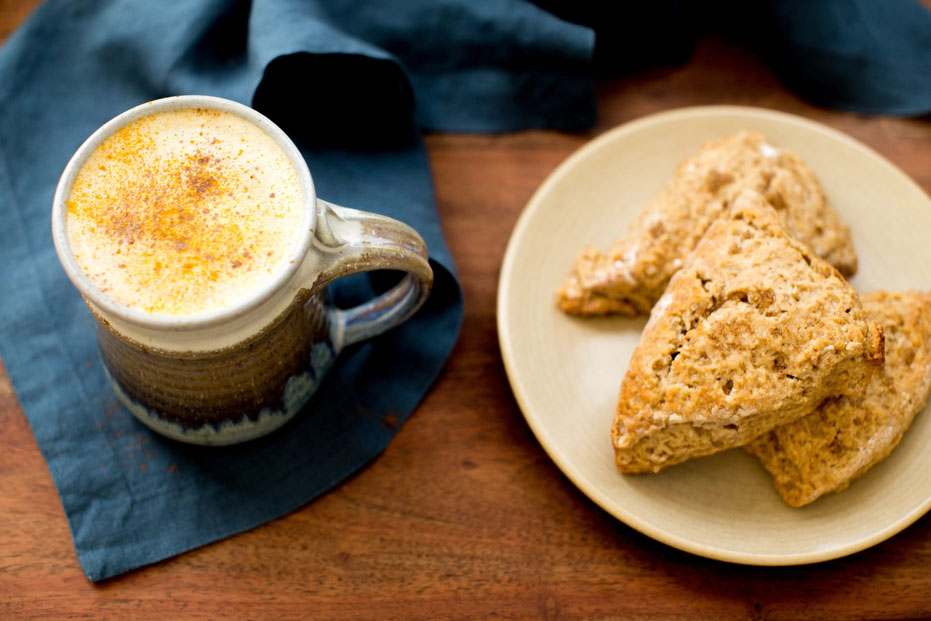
(109, 306)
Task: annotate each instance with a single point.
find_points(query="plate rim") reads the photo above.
(573, 473)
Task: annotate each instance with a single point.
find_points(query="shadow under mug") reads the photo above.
(234, 374)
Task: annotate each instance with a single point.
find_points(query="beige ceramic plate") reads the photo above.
(565, 372)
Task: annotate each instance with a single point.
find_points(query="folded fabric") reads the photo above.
(871, 57)
(859, 55)
(352, 83)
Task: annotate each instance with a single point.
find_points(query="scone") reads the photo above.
(632, 274)
(824, 451)
(752, 333)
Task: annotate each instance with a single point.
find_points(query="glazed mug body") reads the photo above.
(238, 372)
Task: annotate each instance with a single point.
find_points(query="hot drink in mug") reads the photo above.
(192, 229)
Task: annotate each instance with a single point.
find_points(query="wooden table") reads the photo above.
(464, 516)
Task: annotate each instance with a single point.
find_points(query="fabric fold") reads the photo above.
(869, 57)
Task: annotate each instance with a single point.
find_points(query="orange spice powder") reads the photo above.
(184, 212)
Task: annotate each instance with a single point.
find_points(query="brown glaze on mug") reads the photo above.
(243, 385)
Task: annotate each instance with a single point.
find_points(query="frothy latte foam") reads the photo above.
(185, 212)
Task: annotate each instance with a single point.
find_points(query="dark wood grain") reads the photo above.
(464, 516)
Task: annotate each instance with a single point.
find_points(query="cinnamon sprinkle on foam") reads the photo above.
(169, 217)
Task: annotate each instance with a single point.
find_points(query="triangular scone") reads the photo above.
(753, 332)
(825, 450)
(632, 274)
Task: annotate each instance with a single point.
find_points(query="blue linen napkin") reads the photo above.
(341, 77)
(353, 82)
(861, 55)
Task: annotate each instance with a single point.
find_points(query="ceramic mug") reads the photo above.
(236, 372)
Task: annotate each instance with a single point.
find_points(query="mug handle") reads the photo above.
(349, 241)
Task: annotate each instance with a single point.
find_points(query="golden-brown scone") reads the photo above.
(632, 274)
(825, 450)
(753, 332)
